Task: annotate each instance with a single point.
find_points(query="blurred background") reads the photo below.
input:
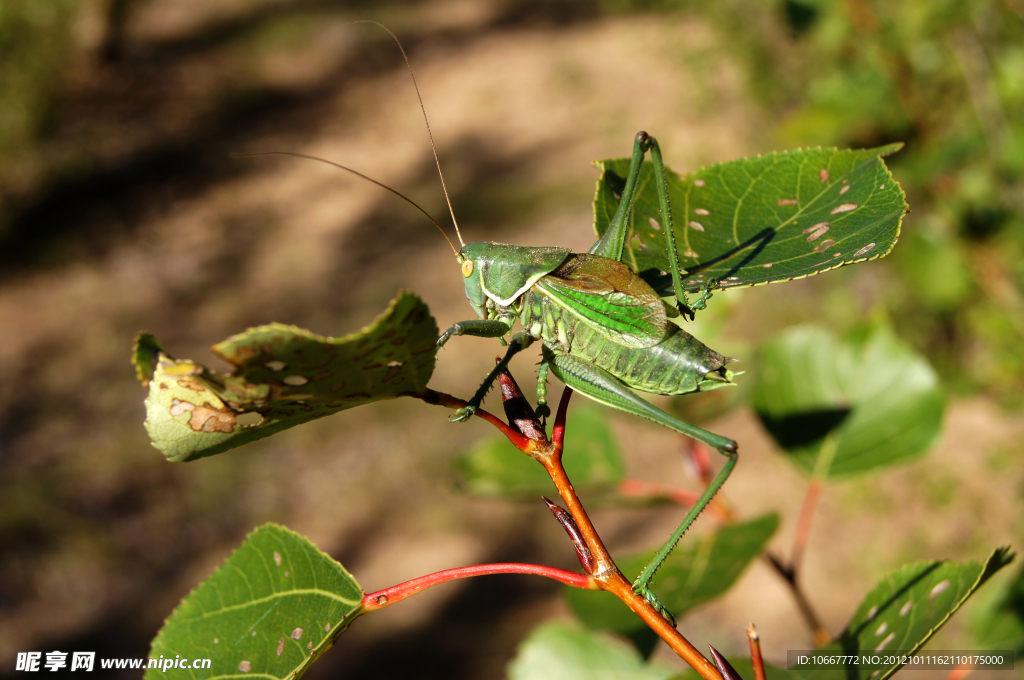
(120, 210)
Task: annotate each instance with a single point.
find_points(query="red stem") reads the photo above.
(518, 440)
(606, 575)
(638, 488)
(803, 525)
(389, 596)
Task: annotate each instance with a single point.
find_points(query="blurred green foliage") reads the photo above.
(845, 407)
(949, 78)
(35, 42)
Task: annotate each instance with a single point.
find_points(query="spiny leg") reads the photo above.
(682, 303)
(610, 245)
(642, 583)
(602, 386)
(519, 342)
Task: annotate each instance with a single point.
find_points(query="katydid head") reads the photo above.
(471, 260)
(504, 272)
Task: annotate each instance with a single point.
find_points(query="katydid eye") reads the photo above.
(467, 268)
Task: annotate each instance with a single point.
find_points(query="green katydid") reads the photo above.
(606, 332)
(605, 318)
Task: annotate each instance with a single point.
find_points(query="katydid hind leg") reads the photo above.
(667, 226)
(668, 229)
(643, 581)
(602, 386)
(610, 245)
(598, 384)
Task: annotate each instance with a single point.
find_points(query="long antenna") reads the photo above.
(424, 110)
(358, 174)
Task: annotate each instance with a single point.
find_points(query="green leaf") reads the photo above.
(559, 651)
(283, 376)
(274, 606)
(697, 571)
(906, 609)
(1001, 625)
(145, 355)
(937, 270)
(591, 457)
(763, 219)
(841, 407)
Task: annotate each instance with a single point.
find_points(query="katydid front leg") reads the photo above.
(519, 342)
(602, 386)
(480, 328)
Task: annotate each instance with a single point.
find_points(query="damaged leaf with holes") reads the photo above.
(906, 609)
(775, 217)
(282, 376)
(269, 611)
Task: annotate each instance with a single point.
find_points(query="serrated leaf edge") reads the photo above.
(999, 558)
(879, 152)
(316, 652)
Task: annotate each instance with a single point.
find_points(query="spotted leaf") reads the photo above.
(759, 220)
(283, 376)
(906, 609)
(269, 611)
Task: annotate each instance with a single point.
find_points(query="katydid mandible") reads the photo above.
(603, 330)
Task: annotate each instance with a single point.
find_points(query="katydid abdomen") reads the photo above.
(679, 364)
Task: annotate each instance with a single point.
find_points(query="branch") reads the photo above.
(606, 573)
(389, 596)
(548, 452)
(442, 399)
(803, 525)
(756, 660)
(818, 631)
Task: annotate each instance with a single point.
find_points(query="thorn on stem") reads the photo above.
(724, 667)
(587, 560)
(520, 414)
(756, 660)
(558, 429)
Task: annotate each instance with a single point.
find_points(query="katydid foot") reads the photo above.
(652, 599)
(463, 414)
(688, 310)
